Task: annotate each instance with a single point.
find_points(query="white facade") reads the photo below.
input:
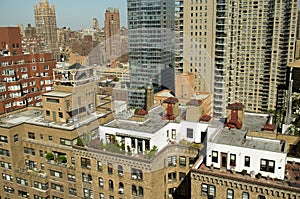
(171, 133)
(253, 159)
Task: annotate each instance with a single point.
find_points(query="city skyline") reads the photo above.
(65, 16)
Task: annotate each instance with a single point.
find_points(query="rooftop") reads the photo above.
(57, 94)
(35, 116)
(239, 138)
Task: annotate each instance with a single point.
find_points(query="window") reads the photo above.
(136, 174)
(56, 173)
(50, 137)
(111, 185)
(261, 197)
(85, 163)
(41, 186)
(172, 177)
(87, 178)
(5, 165)
(230, 194)
(29, 151)
(8, 189)
(134, 190)
(41, 153)
(71, 178)
(182, 161)
(172, 160)
(73, 191)
(109, 168)
(3, 139)
(214, 157)
(173, 134)
(181, 176)
(100, 167)
(120, 170)
(46, 67)
(65, 142)
(141, 191)
(209, 190)
(47, 113)
(22, 181)
(101, 183)
(60, 114)
(57, 187)
(245, 195)
(16, 138)
(7, 177)
(121, 188)
(189, 133)
(42, 166)
(247, 161)
(4, 152)
(31, 135)
(23, 194)
(232, 160)
(101, 196)
(267, 165)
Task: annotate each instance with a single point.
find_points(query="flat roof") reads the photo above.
(295, 64)
(57, 94)
(239, 138)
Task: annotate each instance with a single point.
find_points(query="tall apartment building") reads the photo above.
(298, 25)
(23, 77)
(244, 46)
(112, 34)
(151, 46)
(179, 25)
(198, 43)
(45, 23)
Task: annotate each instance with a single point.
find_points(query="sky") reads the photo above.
(75, 14)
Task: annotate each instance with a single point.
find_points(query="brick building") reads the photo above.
(23, 77)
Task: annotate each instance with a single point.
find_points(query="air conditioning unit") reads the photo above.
(133, 177)
(174, 164)
(121, 191)
(170, 196)
(59, 108)
(120, 174)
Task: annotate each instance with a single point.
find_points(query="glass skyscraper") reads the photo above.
(151, 47)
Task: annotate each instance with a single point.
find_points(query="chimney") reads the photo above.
(269, 126)
(235, 115)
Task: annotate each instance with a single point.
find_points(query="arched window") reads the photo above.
(110, 185)
(141, 191)
(101, 183)
(134, 190)
(121, 188)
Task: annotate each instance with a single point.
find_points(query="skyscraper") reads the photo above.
(151, 46)
(249, 43)
(112, 34)
(45, 23)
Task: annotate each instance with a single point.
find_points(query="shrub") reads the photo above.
(50, 156)
(244, 172)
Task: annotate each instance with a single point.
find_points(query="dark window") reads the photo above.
(47, 113)
(189, 133)
(261, 197)
(109, 168)
(50, 137)
(111, 185)
(60, 115)
(247, 161)
(51, 100)
(31, 135)
(214, 155)
(267, 165)
(85, 163)
(232, 160)
(120, 170)
(16, 138)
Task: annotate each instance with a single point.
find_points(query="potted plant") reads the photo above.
(244, 172)
(50, 156)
